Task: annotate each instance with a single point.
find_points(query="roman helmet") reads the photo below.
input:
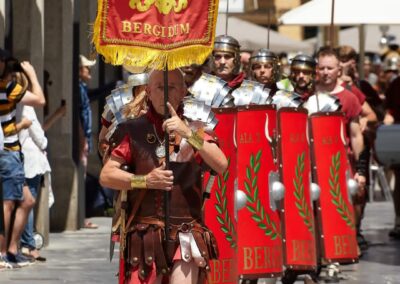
(225, 43)
(264, 55)
(391, 64)
(303, 62)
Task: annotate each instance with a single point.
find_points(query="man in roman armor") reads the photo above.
(150, 250)
(264, 68)
(132, 97)
(226, 60)
(302, 75)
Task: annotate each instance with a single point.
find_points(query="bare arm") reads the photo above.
(23, 124)
(356, 138)
(367, 115)
(213, 157)
(357, 144)
(389, 119)
(113, 177)
(102, 145)
(35, 97)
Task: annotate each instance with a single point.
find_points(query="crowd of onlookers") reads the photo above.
(23, 161)
(24, 167)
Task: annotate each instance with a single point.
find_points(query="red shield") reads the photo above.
(335, 211)
(258, 226)
(297, 215)
(219, 210)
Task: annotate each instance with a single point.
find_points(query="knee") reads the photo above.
(28, 203)
(9, 206)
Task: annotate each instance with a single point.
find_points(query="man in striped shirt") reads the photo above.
(15, 195)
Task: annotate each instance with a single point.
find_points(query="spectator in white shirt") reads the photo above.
(36, 165)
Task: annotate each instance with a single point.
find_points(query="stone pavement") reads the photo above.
(82, 256)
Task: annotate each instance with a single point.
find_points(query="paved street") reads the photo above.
(81, 257)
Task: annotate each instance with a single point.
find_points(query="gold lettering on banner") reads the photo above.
(223, 271)
(345, 245)
(171, 32)
(155, 30)
(262, 257)
(147, 29)
(126, 27)
(185, 28)
(303, 250)
(137, 27)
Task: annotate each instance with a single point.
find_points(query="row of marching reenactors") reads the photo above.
(287, 203)
(301, 135)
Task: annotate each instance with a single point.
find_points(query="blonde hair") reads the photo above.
(139, 103)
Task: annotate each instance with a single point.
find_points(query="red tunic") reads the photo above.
(351, 105)
(356, 91)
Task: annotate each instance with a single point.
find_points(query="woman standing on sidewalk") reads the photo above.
(36, 165)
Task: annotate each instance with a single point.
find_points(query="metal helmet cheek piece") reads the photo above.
(225, 43)
(306, 63)
(391, 64)
(264, 55)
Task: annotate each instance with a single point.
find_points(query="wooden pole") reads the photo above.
(332, 26)
(166, 144)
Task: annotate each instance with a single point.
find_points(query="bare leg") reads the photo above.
(9, 206)
(184, 273)
(21, 217)
(3, 244)
(396, 199)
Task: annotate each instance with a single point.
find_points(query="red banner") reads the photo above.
(335, 215)
(298, 217)
(258, 226)
(155, 32)
(219, 210)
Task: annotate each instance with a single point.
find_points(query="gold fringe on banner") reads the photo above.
(151, 57)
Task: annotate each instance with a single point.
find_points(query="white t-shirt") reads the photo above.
(33, 144)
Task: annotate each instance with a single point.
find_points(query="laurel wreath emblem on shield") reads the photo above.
(223, 217)
(301, 203)
(254, 205)
(337, 197)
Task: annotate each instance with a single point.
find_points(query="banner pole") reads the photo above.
(166, 143)
(269, 26)
(332, 26)
(226, 17)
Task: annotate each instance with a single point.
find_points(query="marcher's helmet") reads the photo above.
(391, 64)
(303, 62)
(225, 43)
(264, 55)
(138, 79)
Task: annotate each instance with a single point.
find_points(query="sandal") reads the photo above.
(90, 225)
